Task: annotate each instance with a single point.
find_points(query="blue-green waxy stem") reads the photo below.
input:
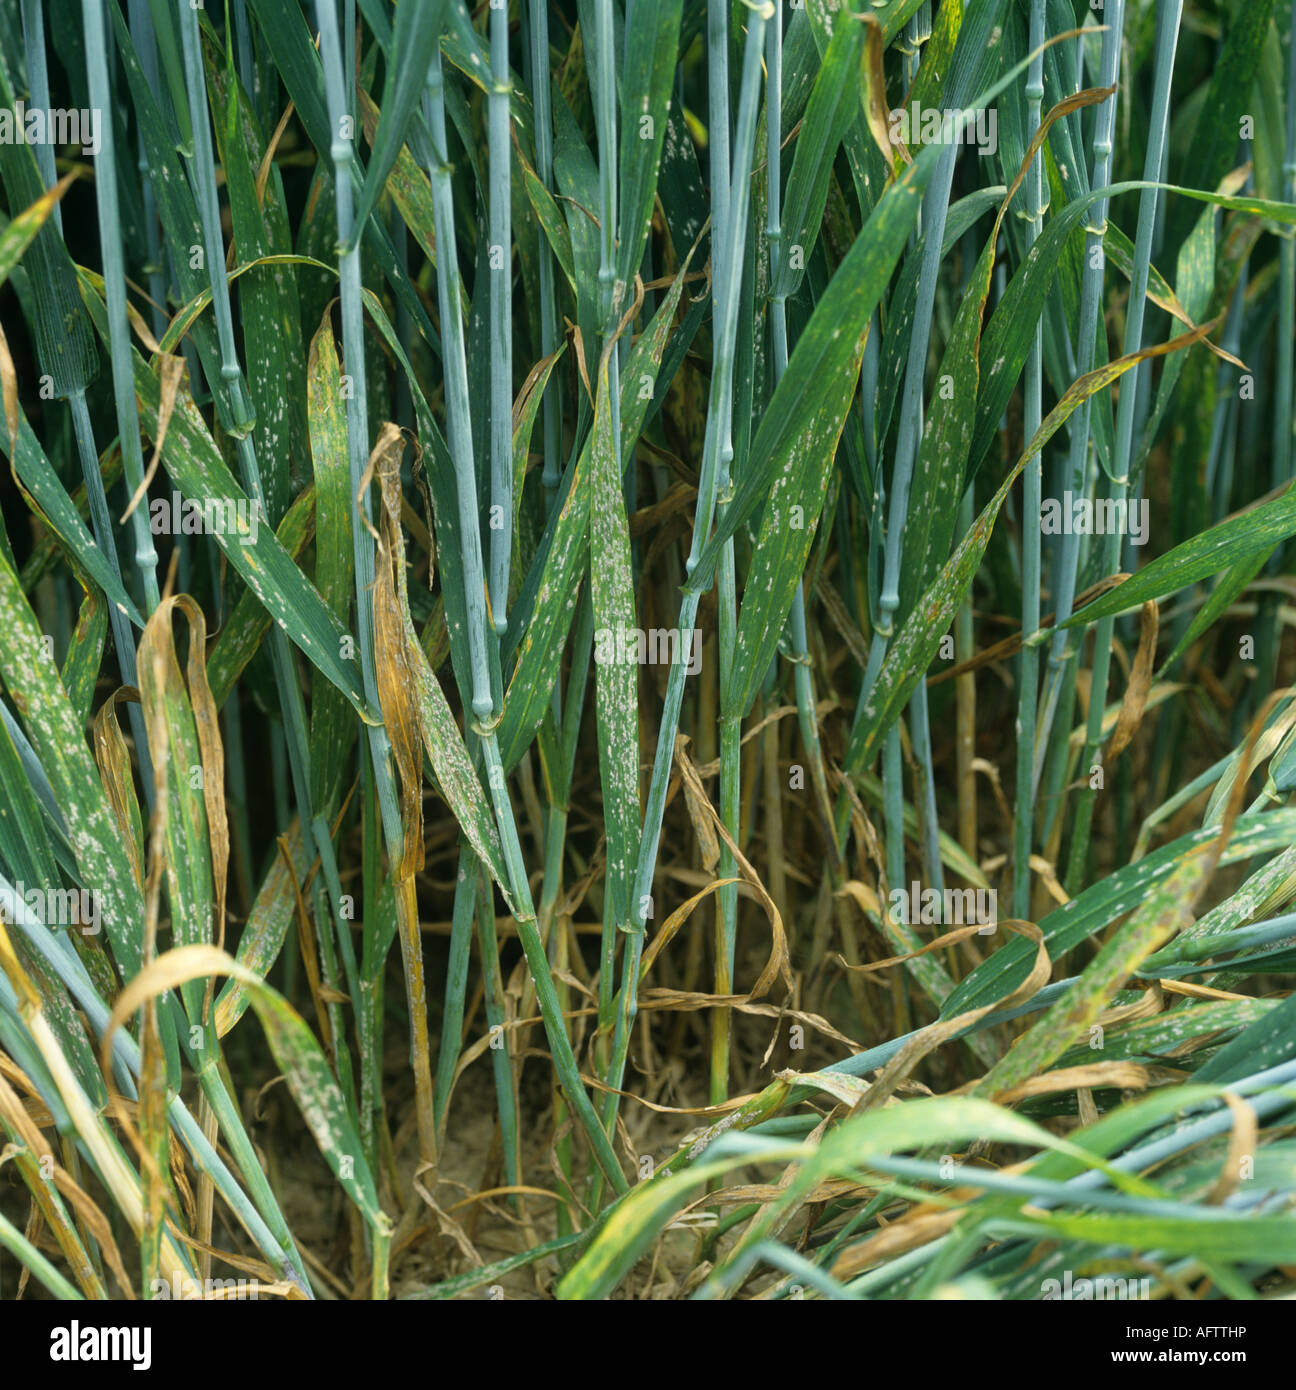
(233, 389)
(803, 679)
(115, 296)
(1032, 478)
(1168, 20)
(1091, 290)
(458, 419)
(538, 14)
(459, 442)
(501, 320)
(721, 386)
(100, 518)
(235, 392)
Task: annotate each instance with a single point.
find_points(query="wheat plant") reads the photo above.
(731, 733)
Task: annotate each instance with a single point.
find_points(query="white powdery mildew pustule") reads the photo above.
(318, 1121)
